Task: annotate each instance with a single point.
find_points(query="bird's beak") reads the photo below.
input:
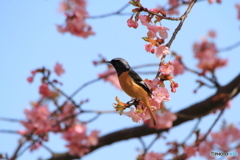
(108, 62)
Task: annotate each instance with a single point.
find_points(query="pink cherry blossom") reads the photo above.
(132, 23)
(151, 34)
(204, 148)
(166, 68)
(153, 156)
(161, 51)
(135, 117)
(178, 67)
(212, 34)
(152, 84)
(68, 110)
(30, 79)
(173, 86)
(76, 137)
(149, 48)
(238, 10)
(173, 11)
(161, 94)
(225, 137)
(228, 105)
(163, 34)
(33, 72)
(144, 19)
(155, 104)
(174, 3)
(190, 151)
(206, 52)
(58, 69)
(221, 139)
(93, 138)
(22, 132)
(154, 28)
(111, 76)
(165, 120)
(211, 1)
(78, 140)
(44, 90)
(38, 120)
(158, 29)
(154, 10)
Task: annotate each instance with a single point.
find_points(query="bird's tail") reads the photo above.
(147, 104)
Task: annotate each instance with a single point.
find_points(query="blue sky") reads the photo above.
(29, 40)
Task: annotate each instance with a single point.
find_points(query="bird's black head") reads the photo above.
(120, 65)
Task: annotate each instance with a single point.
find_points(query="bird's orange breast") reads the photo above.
(130, 87)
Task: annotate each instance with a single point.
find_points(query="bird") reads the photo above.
(132, 84)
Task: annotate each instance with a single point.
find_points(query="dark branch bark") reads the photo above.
(197, 110)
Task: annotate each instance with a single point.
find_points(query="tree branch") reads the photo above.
(118, 12)
(182, 18)
(197, 110)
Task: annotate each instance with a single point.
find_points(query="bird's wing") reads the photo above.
(138, 80)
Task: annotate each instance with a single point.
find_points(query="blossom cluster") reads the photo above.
(206, 52)
(40, 121)
(155, 36)
(75, 12)
(221, 141)
(78, 139)
(58, 70)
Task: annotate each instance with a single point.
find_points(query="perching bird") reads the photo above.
(132, 83)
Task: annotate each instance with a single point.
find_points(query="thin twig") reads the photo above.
(25, 149)
(209, 130)
(92, 119)
(143, 143)
(64, 94)
(118, 12)
(9, 119)
(193, 130)
(229, 47)
(85, 85)
(161, 62)
(8, 131)
(99, 112)
(145, 65)
(146, 72)
(214, 78)
(150, 145)
(48, 149)
(182, 19)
